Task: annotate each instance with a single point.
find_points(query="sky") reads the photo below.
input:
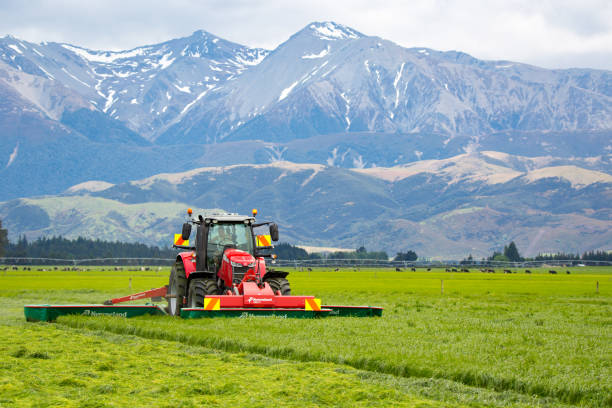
(547, 33)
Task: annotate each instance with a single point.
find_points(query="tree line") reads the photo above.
(81, 248)
(511, 253)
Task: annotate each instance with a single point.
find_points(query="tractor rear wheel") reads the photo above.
(177, 288)
(198, 288)
(280, 284)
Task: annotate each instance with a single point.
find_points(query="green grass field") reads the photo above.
(487, 340)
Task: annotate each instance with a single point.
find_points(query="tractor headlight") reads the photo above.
(236, 264)
(251, 265)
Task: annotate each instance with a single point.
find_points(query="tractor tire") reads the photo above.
(198, 288)
(280, 284)
(177, 289)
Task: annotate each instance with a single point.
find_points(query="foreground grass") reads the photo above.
(58, 367)
(517, 339)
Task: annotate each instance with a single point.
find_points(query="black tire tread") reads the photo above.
(198, 289)
(177, 274)
(281, 284)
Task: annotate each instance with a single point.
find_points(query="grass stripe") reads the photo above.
(187, 334)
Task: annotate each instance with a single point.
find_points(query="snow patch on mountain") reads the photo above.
(332, 31)
(165, 61)
(13, 156)
(109, 100)
(104, 56)
(200, 96)
(14, 47)
(184, 89)
(285, 92)
(319, 55)
(75, 78)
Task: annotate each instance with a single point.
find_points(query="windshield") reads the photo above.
(238, 235)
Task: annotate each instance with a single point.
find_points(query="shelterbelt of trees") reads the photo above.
(82, 248)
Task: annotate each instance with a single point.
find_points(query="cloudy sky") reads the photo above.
(548, 33)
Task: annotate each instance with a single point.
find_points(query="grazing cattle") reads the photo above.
(428, 269)
(527, 271)
(568, 272)
(464, 270)
(447, 270)
(507, 271)
(552, 272)
(398, 269)
(454, 270)
(336, 270)
(413, 269)
(309, 269)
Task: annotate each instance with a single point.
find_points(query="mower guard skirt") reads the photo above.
(196, 313)
(49, 313)
(354, 311)
(342, 311)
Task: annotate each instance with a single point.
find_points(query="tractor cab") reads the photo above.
(226, 236)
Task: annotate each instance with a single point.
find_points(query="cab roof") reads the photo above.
(228, 218)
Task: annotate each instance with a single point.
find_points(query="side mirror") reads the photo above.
(274, 232)
(186, 231)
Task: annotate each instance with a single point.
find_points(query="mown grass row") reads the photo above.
(69, 368)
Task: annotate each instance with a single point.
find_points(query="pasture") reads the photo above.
(445, 339)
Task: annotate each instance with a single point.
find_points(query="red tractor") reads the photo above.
(226, 260)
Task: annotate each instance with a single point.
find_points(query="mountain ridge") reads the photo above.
(443, 209)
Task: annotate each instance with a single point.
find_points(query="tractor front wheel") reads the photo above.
(280, 284)
(177, 287)
(198, 289)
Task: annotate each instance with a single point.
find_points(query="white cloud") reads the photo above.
(559, 33)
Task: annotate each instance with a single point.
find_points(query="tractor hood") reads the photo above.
(236, 256)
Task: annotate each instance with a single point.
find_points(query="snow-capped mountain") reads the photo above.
(330, 79)
(326, 79)
(147, 87)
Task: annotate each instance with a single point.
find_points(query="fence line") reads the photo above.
(339, 263)
(308, 263)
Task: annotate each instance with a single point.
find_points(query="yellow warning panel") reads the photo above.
(178, 240)
(264, 240)
(313, 304)
(212, 304)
